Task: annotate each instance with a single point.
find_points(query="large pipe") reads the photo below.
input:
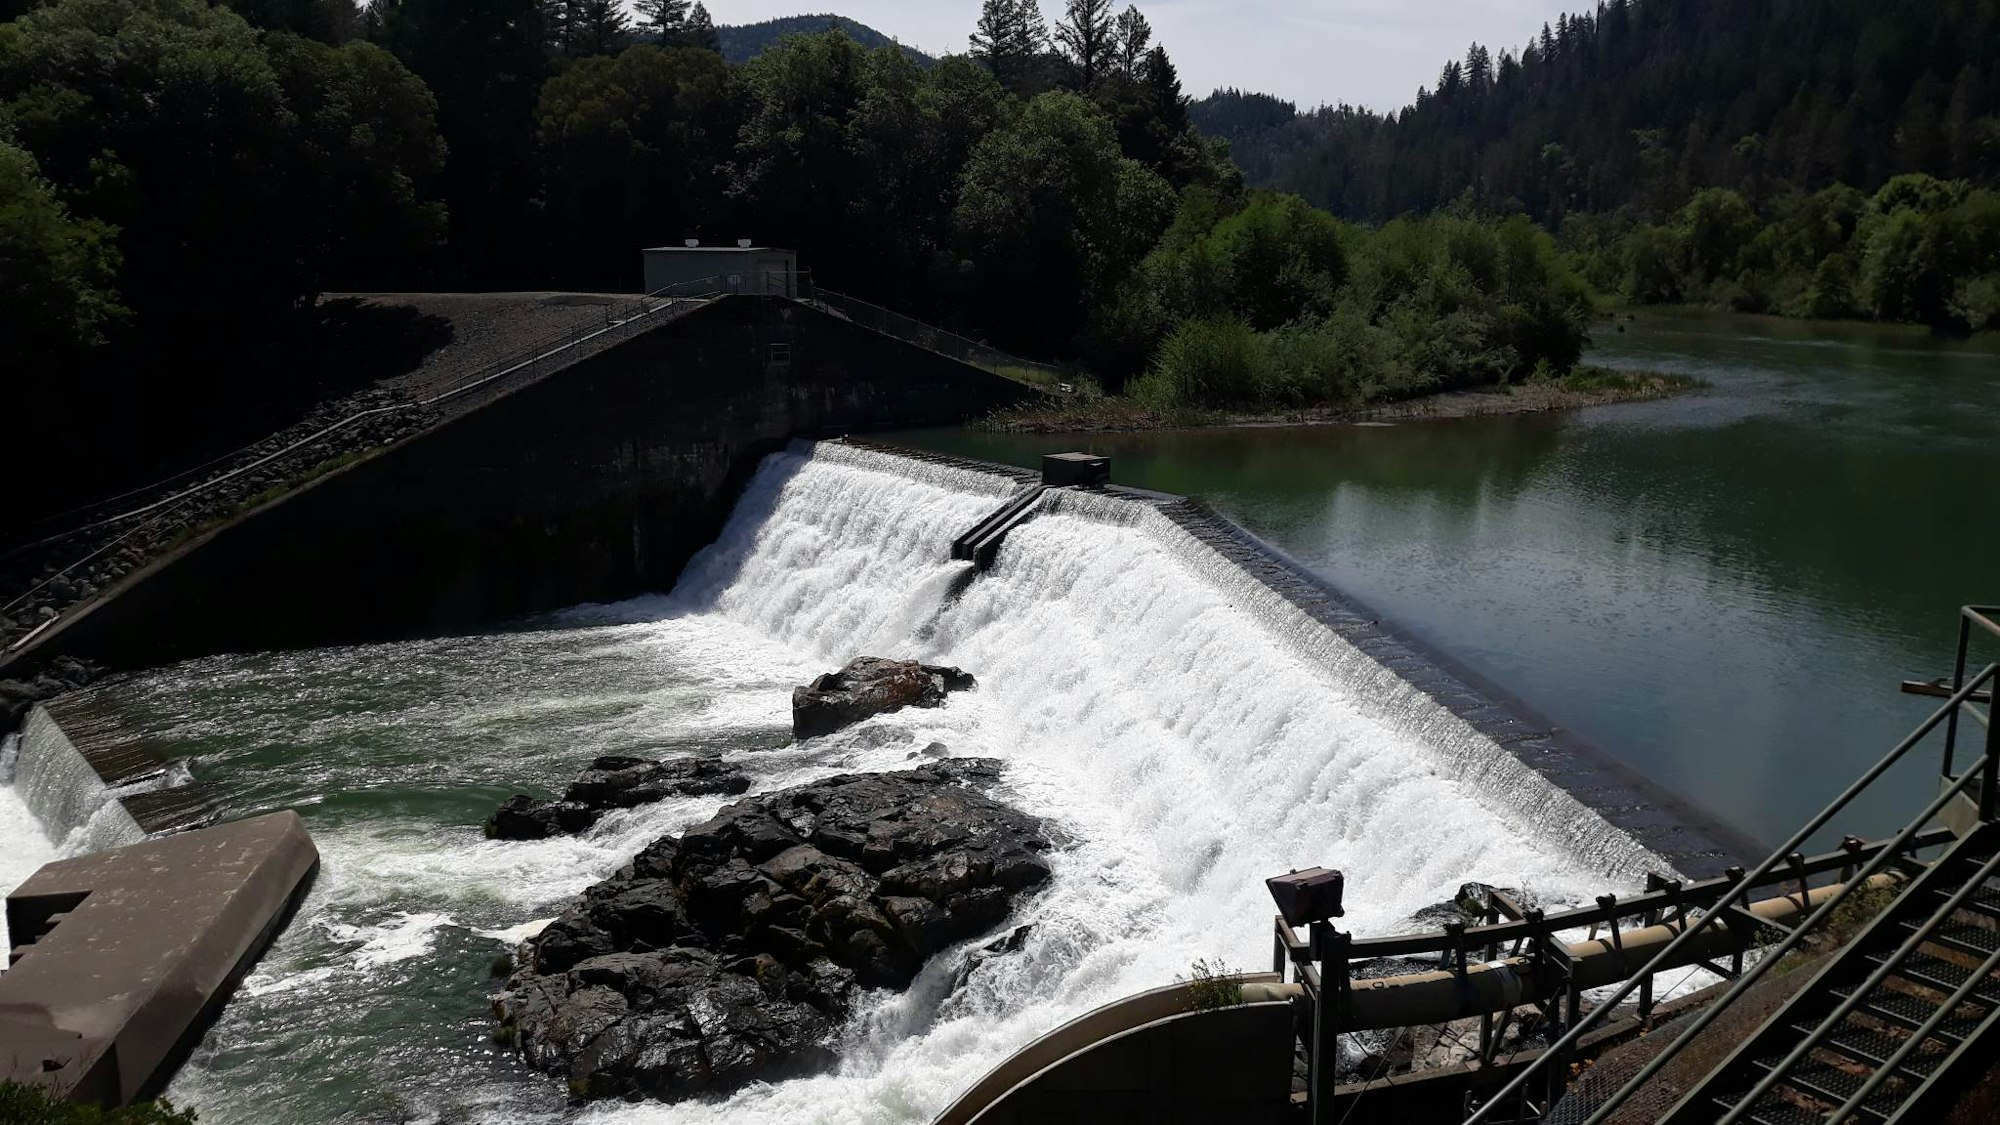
(1496, 986)
(1402, 1001)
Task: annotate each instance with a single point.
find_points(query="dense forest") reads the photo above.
(1749, 155)
(181, 181)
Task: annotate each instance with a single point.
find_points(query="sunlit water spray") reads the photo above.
(1186, 736)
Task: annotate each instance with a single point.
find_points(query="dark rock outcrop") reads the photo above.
(867, 687)
(732, 952)
(615, 783)
(64, 673)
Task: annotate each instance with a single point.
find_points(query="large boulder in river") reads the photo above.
(615, 782)
(731, 953)
(867, 687)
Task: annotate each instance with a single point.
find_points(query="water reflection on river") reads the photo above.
(1722, 588)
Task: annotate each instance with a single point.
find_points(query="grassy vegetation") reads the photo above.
(27, 1105)
(1582, 386)
(1212, 985)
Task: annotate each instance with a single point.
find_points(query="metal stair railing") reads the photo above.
(543, 349)
(910, 330)
(1692, 1105)
(1985, 775)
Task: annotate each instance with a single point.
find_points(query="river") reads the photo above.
(1722, 588)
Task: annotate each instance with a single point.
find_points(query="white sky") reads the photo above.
(1366, 52)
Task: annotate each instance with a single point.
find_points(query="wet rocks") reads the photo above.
(614, 782)
(867, 687)
(64, 673)
(732, 952)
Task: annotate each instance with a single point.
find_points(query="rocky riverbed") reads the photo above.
(734, 952)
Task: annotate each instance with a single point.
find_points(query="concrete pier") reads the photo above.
(122, 959)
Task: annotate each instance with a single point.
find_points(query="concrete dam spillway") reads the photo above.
(1188, 730)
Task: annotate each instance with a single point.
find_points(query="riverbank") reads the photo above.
(1118, 414)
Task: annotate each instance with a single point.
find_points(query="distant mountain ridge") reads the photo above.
(744, 42)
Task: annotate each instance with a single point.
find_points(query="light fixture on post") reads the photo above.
(1308, 896)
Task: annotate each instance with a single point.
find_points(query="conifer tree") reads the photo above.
(1087, 34)
(597, 27)
(665, 18)
(1163, 91)
(701, 31)
(1009, 36)
(1133, 36)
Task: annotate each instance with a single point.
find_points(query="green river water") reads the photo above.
(1722, 589)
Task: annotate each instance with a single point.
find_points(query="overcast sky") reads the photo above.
(1366, 52)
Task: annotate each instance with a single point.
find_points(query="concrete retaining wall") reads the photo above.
(129, 954)
(595, 484)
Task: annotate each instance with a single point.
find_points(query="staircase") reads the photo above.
(1880, 1032)
(1898, 1022)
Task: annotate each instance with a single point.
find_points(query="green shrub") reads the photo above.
(1213, 985)
(28, 1105)
(1207, 363)
(1976, 302)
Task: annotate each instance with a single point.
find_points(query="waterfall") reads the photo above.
(845, 551)
(73, 805)
(1467, 755)
(1187, 730)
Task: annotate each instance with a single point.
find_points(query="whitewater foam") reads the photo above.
(1184, 732)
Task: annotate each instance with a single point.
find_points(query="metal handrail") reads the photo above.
(544, 348)
(1855, 999)
(1701, 894)
(927, 336)
(1736, 894)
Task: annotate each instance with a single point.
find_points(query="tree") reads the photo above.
(56, 271)
(1163, 91)
(329, 21)
(165, 119)
(598, 27)
(1053, 219)
(701, 33)
(664, 18)
(1087, 35)
(634, 151)
(367, 163)
(485, 63)
(1009, 37)
(1132, 37)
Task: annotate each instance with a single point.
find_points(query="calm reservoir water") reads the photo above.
(1723, 588)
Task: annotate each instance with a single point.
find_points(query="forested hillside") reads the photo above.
(1823, 158)
(742, 43)
(1643, 102)
(181, 182)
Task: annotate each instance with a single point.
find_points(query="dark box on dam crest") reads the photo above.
(1077, 469)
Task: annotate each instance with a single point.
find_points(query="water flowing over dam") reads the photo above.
(1187, 732)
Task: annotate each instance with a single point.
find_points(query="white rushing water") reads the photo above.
(1187, 734)
(1180, 733)
(23, 848)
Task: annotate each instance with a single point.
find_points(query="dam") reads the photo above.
(1187, 729)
